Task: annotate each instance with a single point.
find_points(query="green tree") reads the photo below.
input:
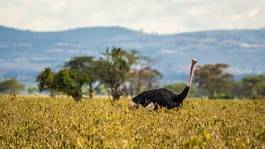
(230, 89)
(65, 81)
(84, 68)
(11, 86)
(46, 81)
(112, 70)
(261, 88)
(213, 78)
(253, 86)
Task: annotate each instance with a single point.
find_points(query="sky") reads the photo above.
(151, 16)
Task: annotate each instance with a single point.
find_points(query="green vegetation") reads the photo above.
(43, 122)
(213, 78)
(67, 81)
(46, 81)
(112, 71)
(214, 81)
(84, 68)
(253, 86)
(76, 73)
(120, 72)
(11, 86)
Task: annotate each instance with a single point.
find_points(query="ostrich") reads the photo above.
(163, 97)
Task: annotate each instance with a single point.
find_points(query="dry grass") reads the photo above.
(43, 122)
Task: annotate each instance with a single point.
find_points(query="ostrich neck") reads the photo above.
(190, 75)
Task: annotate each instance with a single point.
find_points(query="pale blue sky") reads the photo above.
(160, 16)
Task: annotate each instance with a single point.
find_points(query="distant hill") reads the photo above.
(24, 53)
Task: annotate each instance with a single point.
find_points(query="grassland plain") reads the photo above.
(43, 122)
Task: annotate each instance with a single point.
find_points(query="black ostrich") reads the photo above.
(163, 97)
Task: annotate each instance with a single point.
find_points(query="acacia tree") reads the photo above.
(143, 79)
(46, 81)
(11, 86)
(212, 77)
(112, 70)
(84, 68)
(141, 76)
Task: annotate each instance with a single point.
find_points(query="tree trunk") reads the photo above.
(115, 94)
(52, 93)
(138, 83)
(211, 94)
(90, 90)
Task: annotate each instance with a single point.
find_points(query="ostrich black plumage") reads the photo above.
(163, 97)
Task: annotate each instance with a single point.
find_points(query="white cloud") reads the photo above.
(167, 51)
(163, 16)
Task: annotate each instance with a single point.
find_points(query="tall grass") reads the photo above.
(43, 122)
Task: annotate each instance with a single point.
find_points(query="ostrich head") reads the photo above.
(194, 61)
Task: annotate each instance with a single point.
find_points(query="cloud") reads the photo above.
(162, 16)
(167, 51)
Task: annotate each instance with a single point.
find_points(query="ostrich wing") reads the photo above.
(161, 97)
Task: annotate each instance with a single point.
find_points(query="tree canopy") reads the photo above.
(84, 67)
(45, 81)
(212, 77)
(65, 81)
(112, 70)
(253, 86)
(11, 86)
(143, 79)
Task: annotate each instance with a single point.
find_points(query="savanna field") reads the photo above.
(43, 122)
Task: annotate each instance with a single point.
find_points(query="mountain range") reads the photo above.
(24, 53)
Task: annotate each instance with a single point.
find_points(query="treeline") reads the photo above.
(214, 81)
(119, 71)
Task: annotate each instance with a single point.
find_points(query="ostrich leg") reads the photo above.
(185, 92)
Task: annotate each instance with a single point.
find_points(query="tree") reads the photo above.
(84, 68)
(141, 76)
(112, 70)
(261, 89)
(143, 79)
(11, 86)
(68, 80)
(65, 81)
(212, 77)
(253, 86)
(46, 81)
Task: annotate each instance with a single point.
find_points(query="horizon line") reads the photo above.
(123, 27)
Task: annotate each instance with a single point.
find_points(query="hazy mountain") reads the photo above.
(24, 53)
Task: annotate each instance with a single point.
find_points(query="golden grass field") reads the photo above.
(43, 122)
